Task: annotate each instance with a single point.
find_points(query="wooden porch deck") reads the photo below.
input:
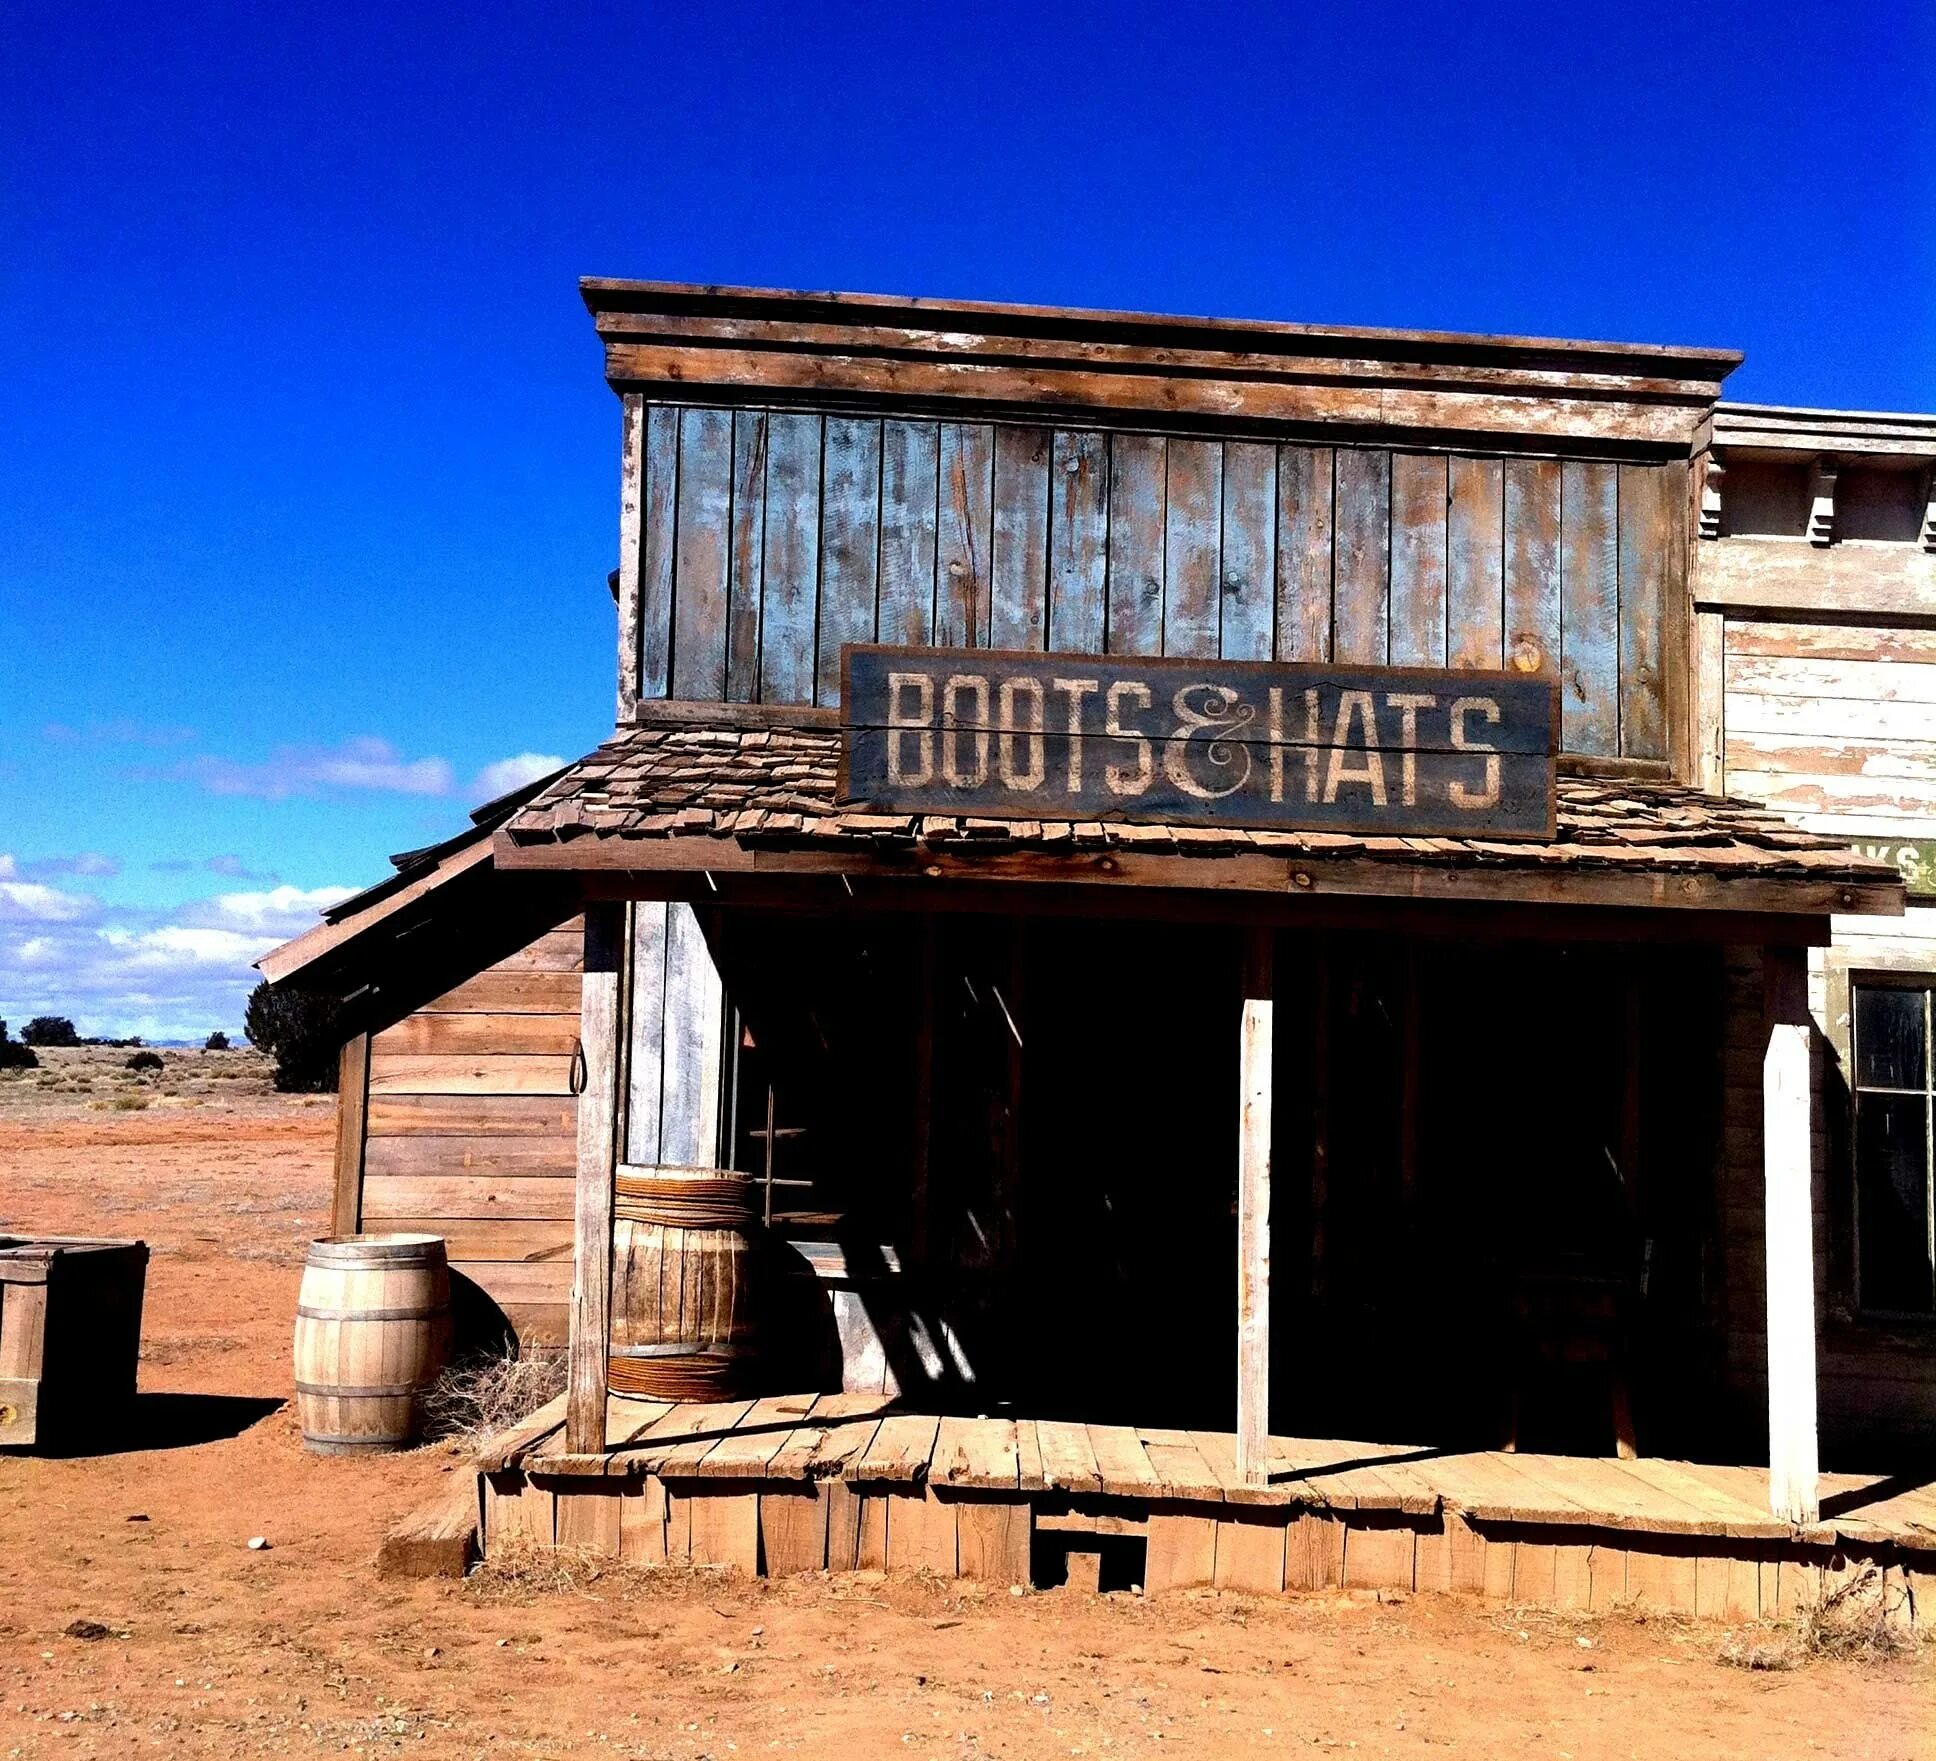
(832, 1481)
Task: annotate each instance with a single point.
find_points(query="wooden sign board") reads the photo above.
(1406, 751)
(1913, 858)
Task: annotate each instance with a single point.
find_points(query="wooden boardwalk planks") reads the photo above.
(438, 1539)
(627, 1417)
(1123, 1464)
(509, 1447)
(836, 1429)
(747, 1450)
(899, 1449)
(976, 1452)
(1068, 1456)
(859, 1438)
(676, 1445)
(1179, 1464)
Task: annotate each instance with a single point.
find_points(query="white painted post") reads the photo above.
(1253, 1215)
(1793, 1488)
(590, 1340)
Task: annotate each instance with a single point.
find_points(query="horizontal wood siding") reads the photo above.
(472, 1127)
(1834, 724)
(817, 530)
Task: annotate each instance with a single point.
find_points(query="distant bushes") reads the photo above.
(144, 1061)
(299, 1030)
(217, 1041)
(49, 1030)
(14, 1055)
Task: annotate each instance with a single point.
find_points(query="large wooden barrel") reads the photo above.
(685, 1320)
(372, 1329)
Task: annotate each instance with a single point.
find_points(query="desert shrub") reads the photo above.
(478, 1396)
(126, 1103)
(217, 1041)
(14, 1055)
(299, 1030)
(1864, 1617)
(144, 1061)
(49, 1030)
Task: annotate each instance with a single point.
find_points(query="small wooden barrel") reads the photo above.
(372, 1329)
(685, 1322)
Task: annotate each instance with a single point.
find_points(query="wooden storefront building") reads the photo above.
(1186, 859)
(1815, 594)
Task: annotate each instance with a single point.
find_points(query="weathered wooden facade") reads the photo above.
(1815, 594)
(1140, 1118)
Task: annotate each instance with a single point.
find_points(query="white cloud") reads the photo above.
(363, 763)
(29, 902)
(177, 947)
(164, 975)
(284, 910)
(513, 773)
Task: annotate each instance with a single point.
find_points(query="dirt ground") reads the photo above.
(210, 1648)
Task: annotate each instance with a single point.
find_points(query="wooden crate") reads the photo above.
(70, 1335)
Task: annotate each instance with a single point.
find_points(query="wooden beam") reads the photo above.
(654, 862)
(631, 485)
(1793, 1490)
(591, 1283)
(1253, 1211)
(1710, 702)
(352, 1113)
(822, 894)
(769, 347)
(309, 947)
(1779, 575)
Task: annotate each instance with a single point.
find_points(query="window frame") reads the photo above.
(1847, 971)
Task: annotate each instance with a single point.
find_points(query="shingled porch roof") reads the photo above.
(693, 795)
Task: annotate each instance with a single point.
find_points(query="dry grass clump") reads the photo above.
(520, 1572)
(1865, 1619)
(478, 1396)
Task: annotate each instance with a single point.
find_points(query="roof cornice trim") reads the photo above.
(701, 343)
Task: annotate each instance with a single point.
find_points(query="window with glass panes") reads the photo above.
(1895, 1128)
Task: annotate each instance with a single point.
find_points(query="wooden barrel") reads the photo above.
(372, 1328)
(685, 1322)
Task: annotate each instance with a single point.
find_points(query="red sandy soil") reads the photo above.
(213, 1649)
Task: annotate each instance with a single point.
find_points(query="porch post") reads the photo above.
(591, 1250)
(1253, 1213)
(1789, 1216)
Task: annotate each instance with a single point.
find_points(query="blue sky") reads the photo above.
(308, 477)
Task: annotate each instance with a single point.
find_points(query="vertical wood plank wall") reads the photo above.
(677, 1063)
(472, 1128)
(767, 539)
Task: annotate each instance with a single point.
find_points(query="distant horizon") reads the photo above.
(313, 474)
